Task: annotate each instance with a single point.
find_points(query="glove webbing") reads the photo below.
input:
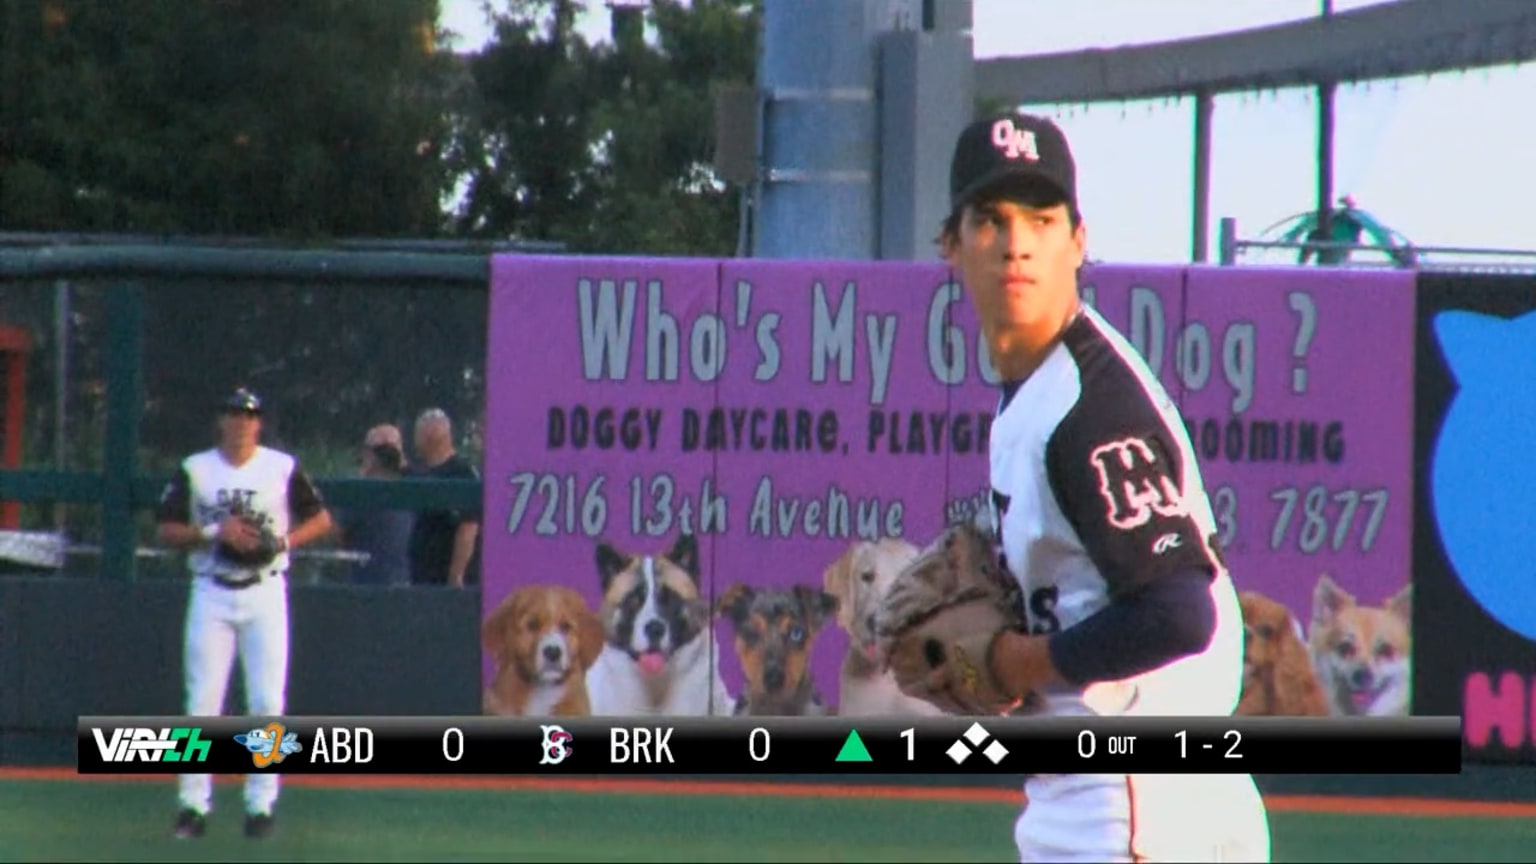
(964, 595)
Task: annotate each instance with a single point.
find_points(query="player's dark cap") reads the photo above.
(1011, 146)
(242, 401)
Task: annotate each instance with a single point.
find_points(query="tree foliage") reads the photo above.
(224, 117)
(604, 147)
(309, 120)
(292, 121)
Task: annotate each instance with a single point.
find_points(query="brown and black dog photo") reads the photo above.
(775, 630)
(543, 639)
(1278, 678)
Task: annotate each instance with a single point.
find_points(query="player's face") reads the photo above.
(1019, 264)
(239, 428)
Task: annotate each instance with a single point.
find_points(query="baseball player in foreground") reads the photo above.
(238, 509)
(1108, 595)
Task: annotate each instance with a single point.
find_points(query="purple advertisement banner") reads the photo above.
(699, 473)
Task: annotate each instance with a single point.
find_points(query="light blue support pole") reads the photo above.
(818, 130)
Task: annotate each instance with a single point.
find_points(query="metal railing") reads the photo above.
(18, 239)
(1483, 260)
(31, 551)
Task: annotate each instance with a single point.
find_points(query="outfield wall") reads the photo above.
(1358, 432)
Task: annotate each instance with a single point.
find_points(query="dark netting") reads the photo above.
(329, 360)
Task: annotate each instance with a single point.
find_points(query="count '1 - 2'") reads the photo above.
(1232, 737)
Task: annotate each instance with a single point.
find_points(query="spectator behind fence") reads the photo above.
(384, 535)
(444, 543)
(387, 433)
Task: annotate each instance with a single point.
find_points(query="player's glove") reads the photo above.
(267, 547)
(937, 622)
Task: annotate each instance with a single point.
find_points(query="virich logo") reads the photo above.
(1482, 479)
(174, 744)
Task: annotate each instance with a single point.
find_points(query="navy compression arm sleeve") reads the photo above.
(1139, 631)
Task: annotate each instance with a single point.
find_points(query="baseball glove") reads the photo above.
(263, 553)
(937, 622)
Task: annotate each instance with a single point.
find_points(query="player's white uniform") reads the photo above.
(1095, 490)
(232, 609)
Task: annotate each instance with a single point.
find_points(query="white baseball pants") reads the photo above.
(1142, 818)
(222, 622)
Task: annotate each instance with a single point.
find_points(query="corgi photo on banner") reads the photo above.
(775, 630)
(858, 579)
(1363, 654)
(1278, 678)
(659, 652)
(543, 638)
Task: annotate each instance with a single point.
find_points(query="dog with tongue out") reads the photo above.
(659, 655)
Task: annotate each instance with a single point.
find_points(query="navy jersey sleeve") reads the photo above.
(1116, 470)
(175, 504)
(304, 499)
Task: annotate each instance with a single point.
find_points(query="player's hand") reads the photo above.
(238, 534)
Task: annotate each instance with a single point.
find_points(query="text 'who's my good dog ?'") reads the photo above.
(848, 343)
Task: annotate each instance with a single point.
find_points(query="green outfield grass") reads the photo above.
(70, 820)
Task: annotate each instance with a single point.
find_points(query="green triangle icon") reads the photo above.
(854, 749)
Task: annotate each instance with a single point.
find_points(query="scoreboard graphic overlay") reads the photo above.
(791, 745)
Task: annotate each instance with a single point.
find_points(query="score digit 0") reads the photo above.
(752, 744)
(454, 733)
(1087, 744)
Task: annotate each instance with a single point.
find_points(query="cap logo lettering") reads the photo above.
(1014, 142)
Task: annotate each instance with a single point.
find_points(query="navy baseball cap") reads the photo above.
(242, 401)
(1011, 146)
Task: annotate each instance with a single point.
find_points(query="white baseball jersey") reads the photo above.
(1095, 490)
(271, 488)
(239, 611)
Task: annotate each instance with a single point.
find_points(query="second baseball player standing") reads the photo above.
(217, 506)
(1101, 515)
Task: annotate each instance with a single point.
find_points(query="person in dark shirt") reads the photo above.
(444, 543)
(383, 534)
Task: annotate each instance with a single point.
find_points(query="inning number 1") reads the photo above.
(911, 744)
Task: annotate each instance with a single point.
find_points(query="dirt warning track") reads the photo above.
(1340, 804)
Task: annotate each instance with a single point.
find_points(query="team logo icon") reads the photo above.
(557, 745)
(1480, 478)
(270, 745)
(1014, 142)
(1135, 483)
